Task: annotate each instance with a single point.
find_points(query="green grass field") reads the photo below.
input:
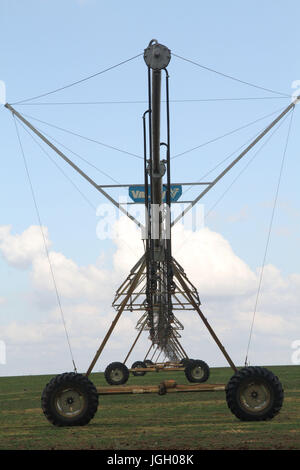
(172, 421)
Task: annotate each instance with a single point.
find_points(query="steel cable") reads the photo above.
(45, 244)
(199, 100)
(78, 81)
(269, 236)
(230, 76)
(84, 137)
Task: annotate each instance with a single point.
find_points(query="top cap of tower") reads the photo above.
(157, 56)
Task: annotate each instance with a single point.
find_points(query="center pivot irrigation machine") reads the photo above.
(157, 286)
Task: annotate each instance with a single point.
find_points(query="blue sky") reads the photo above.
(48, 44)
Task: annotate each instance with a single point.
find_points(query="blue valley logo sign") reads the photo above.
(137, 193)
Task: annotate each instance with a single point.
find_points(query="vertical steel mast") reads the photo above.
(158, 253)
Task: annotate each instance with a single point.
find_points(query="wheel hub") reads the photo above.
(116, 375)
(255, 396)
(198, 372)
(69, 403)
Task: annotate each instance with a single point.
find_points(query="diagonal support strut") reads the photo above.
(197, 308)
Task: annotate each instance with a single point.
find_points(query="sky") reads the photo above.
(46, 45)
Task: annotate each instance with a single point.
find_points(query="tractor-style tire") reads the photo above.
(254, 394)
(137, 365)
(196, 371)
(69, 399)
(116, 373)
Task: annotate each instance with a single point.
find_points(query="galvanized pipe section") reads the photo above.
(156, 176)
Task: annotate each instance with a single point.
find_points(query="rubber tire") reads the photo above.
(148, 362)
(268, 378)
(115, 365)
(189, 370)
(139, 364)
(78, 382)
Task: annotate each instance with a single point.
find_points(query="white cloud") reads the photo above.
(211, 264)
(21, 250)
(129, 245)
(73, 281)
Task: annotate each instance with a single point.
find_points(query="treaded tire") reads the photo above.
(116, 373)
(196, 371)
(254, 394)
(139, 364)
(69, 399)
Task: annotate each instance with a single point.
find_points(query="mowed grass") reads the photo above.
(149, 421)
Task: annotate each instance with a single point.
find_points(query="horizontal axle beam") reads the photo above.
(168, 386)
